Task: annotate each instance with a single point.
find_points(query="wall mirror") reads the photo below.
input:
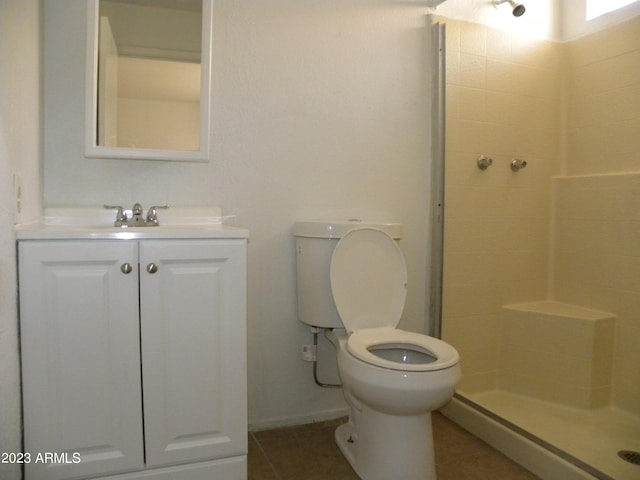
(148, 85)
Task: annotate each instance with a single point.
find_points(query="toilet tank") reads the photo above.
(315, 242)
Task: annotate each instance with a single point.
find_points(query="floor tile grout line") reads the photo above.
(266, 457)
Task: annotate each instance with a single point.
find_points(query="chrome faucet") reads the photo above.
(137, 219)
(517, 164)
(484, 162)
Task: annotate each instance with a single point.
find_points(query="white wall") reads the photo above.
(319, 109)
(20, 152)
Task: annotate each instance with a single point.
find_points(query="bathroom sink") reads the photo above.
(98, 223)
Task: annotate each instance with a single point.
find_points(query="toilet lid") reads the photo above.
(368, 279)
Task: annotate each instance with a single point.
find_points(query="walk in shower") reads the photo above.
(541, 267)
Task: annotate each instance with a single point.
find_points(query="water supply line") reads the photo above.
(316, 331)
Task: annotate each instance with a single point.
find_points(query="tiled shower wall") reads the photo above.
(603, 93)
(503, 101)
(597, 224)
(571, 111)
(598, 263)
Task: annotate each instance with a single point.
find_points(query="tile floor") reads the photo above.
(308, 452)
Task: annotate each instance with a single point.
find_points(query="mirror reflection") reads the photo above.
(149, 65)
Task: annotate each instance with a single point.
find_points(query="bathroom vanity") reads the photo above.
(134, 351)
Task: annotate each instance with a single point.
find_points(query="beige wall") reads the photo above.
(597, 220)
(503, 100)
(603, 101)
(598, 263)
(20, 153)
(164, 125)
(571, 110)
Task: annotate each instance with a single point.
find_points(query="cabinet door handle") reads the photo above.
(126, 268)
(152, 268)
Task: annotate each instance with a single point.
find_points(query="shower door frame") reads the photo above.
(437, 51)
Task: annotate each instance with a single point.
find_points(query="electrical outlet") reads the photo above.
(309, 353)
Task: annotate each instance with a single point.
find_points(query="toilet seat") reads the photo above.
(432, 354)
(368, 278)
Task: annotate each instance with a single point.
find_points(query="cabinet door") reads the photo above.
(193, 335)
(80, 358)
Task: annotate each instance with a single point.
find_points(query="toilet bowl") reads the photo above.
(389, 432)
(392, 379)
(397, 372)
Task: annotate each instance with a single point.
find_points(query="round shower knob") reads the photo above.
(152, 268)
(484, 162)
(517, 164)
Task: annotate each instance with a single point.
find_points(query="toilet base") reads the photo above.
(383, 447)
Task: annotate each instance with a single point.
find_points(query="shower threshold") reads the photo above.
(583, 443)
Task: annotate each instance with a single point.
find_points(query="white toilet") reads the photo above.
(352, 279)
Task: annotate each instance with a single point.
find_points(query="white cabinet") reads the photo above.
(134, 358)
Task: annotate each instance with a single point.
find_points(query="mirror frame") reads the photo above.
(93, 150)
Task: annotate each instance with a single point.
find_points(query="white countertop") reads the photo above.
(96, 223)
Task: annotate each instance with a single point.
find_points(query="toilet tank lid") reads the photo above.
(339, 228)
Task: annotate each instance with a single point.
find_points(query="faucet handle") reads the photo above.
(517, 164)
(121, 217)
(152, 214)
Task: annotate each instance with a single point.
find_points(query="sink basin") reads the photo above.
(97, 223)
(101, 217)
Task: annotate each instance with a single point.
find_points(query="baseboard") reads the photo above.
(291, 421)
